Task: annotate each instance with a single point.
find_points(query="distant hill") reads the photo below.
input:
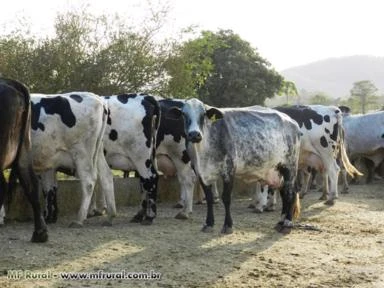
(335, 76)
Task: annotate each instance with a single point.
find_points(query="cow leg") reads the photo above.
(345, 181)
(325, 186)
(29, 182)
(210, 219)
(2, 215)
(88, 176)
(3, 188)
(290, 202)
(333, 174)
(49, 185)
(260, 197)
(148, 184)
(271, 200)
(187, 181)
(226, 197)
(307, 180)
(107, 193)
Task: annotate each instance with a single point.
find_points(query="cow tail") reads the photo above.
(351, 170)
(26, 116)
(155, 123)
(99, 141)
(296, 207)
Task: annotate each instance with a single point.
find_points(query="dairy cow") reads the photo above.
(130, 144)
(171, 154)
(364, 137)
(15, 144)
(321, 143)
(67, 133)
(254, 144)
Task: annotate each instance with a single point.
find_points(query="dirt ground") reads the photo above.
(345, 250)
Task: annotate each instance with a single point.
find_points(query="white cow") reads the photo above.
(130, 144)
(67, 132)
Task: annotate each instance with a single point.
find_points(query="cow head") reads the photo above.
(195, 113)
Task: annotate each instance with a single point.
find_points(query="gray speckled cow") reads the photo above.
(252, 143)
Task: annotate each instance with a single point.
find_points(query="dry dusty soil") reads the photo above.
(346, 248)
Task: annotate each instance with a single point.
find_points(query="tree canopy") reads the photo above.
(86, 53)
(223, 70)
(106, 56)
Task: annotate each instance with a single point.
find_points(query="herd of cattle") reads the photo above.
(87, 135)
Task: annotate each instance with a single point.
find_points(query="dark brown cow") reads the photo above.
(15, 148)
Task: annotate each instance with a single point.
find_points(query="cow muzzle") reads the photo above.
(194, 137)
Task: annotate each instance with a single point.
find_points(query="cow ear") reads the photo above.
(345, 109)
(174, 113)
(214, 114)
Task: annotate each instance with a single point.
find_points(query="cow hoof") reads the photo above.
(323, 198)
(39, 236)
(138, 218)
(96, 213)
(251, 206)
(226, 230)
(258, 210)
(199, 203)
(106, 223)
(75, 225)
(178, 206)
(330, 202)
(216, 200)
(207, 229)
(147, 221)
(270, 209)
(181, 216)
(283, 229)
(50, 220)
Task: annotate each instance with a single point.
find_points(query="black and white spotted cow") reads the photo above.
(254, 144)
(171, 154)
(67, 133)
(130, 144)
(364, 137)
(321, 143)
(15, 144)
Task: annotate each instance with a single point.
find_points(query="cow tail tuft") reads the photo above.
(296, 207)
(351, 170)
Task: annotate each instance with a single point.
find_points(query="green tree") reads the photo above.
(190, 65)
(240, 77)
(288, 89)
(88, 52)
(222, 70)
(365, 91)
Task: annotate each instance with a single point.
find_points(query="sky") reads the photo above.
(287, 33)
